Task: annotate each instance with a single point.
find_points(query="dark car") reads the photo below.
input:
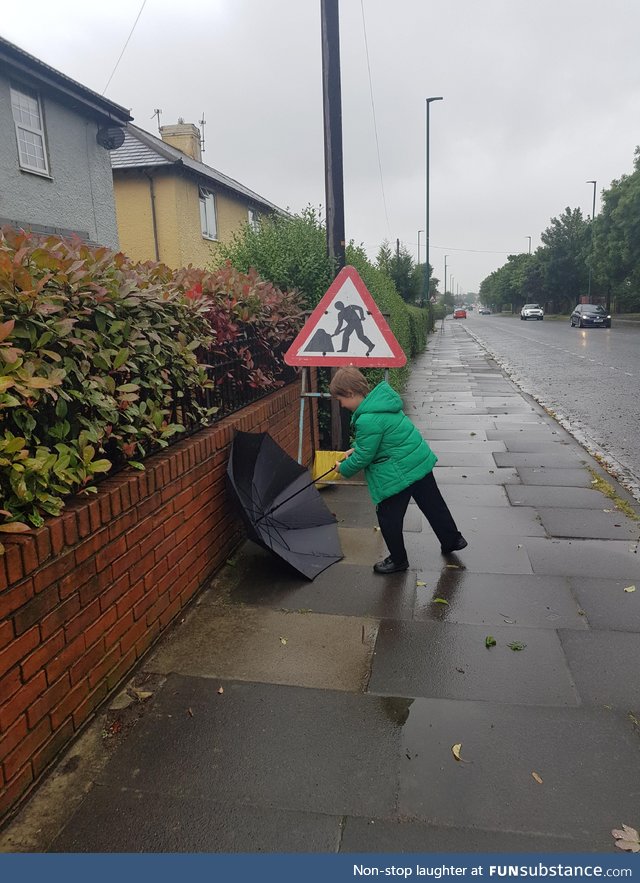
(590, 315)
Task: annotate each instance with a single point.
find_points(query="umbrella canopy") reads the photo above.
(282, 509)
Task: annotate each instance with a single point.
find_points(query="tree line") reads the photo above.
(579, 257)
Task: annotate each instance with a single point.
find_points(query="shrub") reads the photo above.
(99, 361)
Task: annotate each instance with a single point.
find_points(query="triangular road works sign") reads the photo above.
(346, 328)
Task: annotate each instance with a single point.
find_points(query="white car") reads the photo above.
(532, 311)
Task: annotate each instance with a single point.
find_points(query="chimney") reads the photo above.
(183, 136)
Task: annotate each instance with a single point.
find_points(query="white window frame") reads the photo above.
(254, 218)
(36, 130)
(208, 215)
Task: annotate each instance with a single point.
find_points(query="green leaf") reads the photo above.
(439, 601)
(490, 641)
(516, 645)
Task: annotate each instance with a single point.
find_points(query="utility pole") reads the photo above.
(333, 170)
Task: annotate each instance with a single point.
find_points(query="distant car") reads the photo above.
(532, 311)
(459, 314)
(592, 315)
(484, 311)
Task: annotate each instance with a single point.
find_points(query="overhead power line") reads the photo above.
(373, 110)
(125, 46)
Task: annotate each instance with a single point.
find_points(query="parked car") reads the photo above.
(459, 314)
(532, 311)
(592, 315)
(484, 311)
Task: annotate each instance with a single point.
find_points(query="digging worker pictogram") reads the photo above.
(350, 319)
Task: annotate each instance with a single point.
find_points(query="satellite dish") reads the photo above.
(110, 137)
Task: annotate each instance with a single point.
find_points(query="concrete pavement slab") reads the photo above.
(265, 746)
(468, 457)
(585, 786)
(476, 475)
(541, 475)
(472, 445)
(605, 667)
(561, 497)
(461, 434)
(529, 438)
(566, 457)
(451, 661)
(465, 494)
(503, 554)
(614, 559)
(589, 524)
(496, 599)
(606, 604)
(258, 644)
(116, 819)
(477, 521)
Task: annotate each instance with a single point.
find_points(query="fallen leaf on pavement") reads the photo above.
(220, 689)
(189, 712)
(627, 839)
(283, 640)
(537, 778)
(455, 750)
(440, 601)
(421, 582)
(141, 695)
(630, 589)
(490, 641)
(516, 645)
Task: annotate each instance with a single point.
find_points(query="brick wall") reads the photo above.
(84, 597)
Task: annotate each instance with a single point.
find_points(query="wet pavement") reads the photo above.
(289, 716)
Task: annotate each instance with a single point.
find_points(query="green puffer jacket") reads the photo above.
(387, 445)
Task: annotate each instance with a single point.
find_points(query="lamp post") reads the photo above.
(593, 214)
(419, 232)
(426, 232)
(445, 274)
(529, 238)
(452, 288)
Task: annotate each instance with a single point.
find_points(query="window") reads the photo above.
(27, 116)
(253, 218)
(208, 214)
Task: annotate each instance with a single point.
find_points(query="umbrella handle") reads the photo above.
(299, 491)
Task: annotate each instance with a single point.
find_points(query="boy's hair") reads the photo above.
(349, 382)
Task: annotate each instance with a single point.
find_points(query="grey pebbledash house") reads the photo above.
(55, 139)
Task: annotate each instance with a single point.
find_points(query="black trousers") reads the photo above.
(427, 495)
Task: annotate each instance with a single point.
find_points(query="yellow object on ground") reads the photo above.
(324, 460)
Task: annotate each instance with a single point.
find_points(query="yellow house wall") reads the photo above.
(180, 240)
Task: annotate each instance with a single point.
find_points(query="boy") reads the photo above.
(397, 465)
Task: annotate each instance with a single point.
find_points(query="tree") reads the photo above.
(567, 243)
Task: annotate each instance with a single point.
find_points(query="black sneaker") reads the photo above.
(459, 545)
(389, 566)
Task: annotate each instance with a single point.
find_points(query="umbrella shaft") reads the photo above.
(299, 491)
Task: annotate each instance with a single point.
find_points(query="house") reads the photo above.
(170, 206)
(55, 140)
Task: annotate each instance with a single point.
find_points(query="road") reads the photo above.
(589, 378)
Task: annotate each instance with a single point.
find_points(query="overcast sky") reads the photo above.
(539, 97)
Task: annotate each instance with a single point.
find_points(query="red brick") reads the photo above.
(111, 595)
(86, 708)
(11, 683)
(110, 553)
(70, 528)
(115, 502)
(42, 540)
(61, 615)
(104, 667)
(89, 661)
(40, 656)
(170, 613)
(86, 617)
(81, 574)
(152, 540)
(13, 736)
(95, 518)
(145, 603)
(89, 546)
(18, 649)
(113, 635)
(15, 789)
(105, 508)
(52, 747)
(30, 558)
(21, 700)
(36, 609)
(153, 614)
(6, 633)
(84, 522)
(48, 700)
(127, 601)
(101, 626)
(125, 562)
(69, 704)
(125, 497)
(138, 533)
(125, 664)
(59, 567)
(133, 635)
(22, 754)
(56, 533)
(13, 562)
(142, 567)
(122, 524)
(65, 659)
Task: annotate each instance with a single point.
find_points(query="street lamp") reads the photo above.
(419, 232)
(426, 233)
(593, 214)
(529, 238)
(445, 274)
(452, 288)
